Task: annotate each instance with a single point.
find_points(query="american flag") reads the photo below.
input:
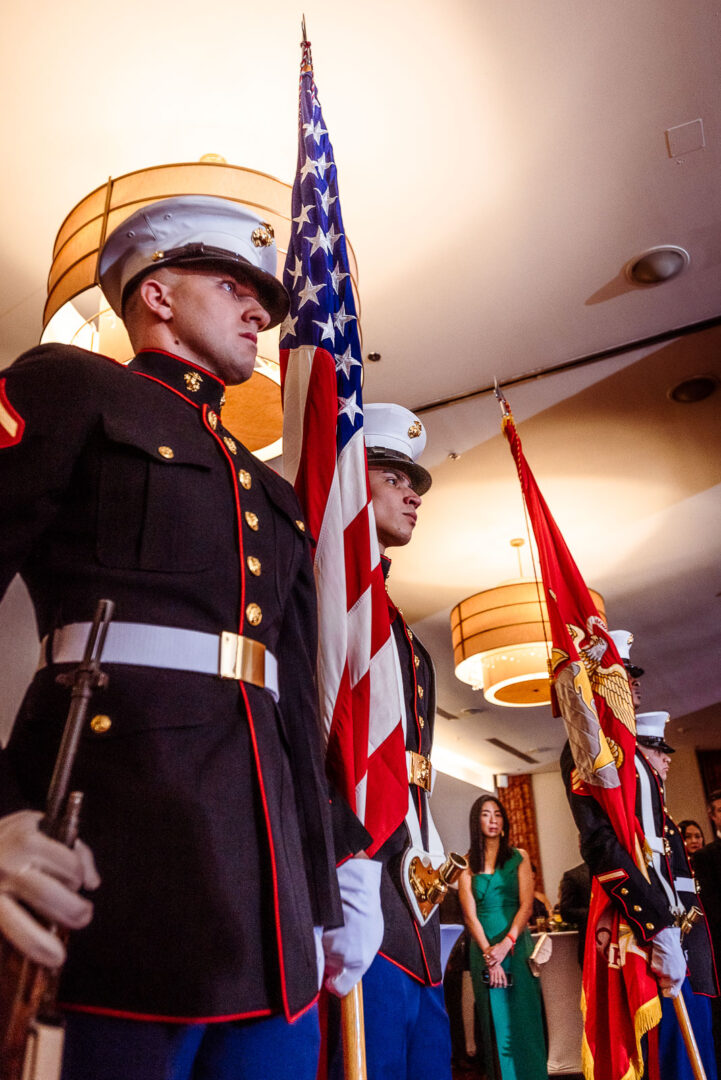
(324, 457)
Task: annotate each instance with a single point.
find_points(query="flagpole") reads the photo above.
(317, 261)
(690, 918)
(507, 417)
(689, 1038)
(354, 1040)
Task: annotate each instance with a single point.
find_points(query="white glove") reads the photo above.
(44, 875)
(350, 949)
(319, 953)
(668, 962)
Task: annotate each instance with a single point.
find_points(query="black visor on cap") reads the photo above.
(271, 292)
(655, 742)
(419, 477)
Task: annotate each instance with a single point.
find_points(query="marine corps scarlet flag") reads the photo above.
(620, 995)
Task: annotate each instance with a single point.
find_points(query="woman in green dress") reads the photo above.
(496, 895)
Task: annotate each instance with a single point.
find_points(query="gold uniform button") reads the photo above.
(166, 451)
(253, 565)
(410, 632)
(212, 419)
(650, 926)
(421, 721)
(231, 444)
(101, 723)
(636, 907)
(252, 520)
(245, 479)
(420, 691)
(416, 660)
(624, 892)
(300, 524)
(253, 614)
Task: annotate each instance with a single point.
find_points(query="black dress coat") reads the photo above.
(707, 867)
(574, 901)
(205, 801)
(644, 903)
(415, 949)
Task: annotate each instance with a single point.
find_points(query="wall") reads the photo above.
(557, 834)
(450, 805)
(684, 790)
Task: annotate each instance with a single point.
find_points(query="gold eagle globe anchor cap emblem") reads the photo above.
(264, 235)
(193, 381)
(187, 230)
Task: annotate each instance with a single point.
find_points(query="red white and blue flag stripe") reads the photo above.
(324, 457)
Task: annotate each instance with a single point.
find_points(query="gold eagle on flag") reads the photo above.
(610, 683)
(576, 685)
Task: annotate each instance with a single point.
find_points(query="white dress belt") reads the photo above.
(226, 655)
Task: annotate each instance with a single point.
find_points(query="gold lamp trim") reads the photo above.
(500, 643)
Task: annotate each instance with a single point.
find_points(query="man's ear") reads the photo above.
(154, 294)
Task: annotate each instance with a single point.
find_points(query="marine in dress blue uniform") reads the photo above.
(707, 867)
(669, 858)
(407, 1029)
(206, 805)
(654, 902)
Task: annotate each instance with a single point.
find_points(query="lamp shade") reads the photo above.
(500, 645)
(76, 312)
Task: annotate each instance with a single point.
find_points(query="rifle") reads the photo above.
(27, 989)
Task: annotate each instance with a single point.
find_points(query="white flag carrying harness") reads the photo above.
(434, 855)
(656, 842)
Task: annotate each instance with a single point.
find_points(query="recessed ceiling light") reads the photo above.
(657, 265)
(697, 388)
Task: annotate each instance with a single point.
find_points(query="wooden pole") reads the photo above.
(354, 1041)
(689, 1038)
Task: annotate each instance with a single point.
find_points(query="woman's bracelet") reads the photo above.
(512, 940)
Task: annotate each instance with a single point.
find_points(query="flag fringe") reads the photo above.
(646, 1018)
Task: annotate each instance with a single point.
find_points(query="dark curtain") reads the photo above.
(518, 801)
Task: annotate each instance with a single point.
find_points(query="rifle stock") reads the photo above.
(27, 989)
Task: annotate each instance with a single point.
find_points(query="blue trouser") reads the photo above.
(406, 1027)
(674, 1063)
(105, 1048)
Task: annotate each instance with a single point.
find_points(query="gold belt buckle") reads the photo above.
(241, 658)
(420, 771)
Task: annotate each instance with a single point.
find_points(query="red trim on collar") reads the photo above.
(187, 363)
(155, 379)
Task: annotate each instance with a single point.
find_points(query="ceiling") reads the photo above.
(499, 164)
